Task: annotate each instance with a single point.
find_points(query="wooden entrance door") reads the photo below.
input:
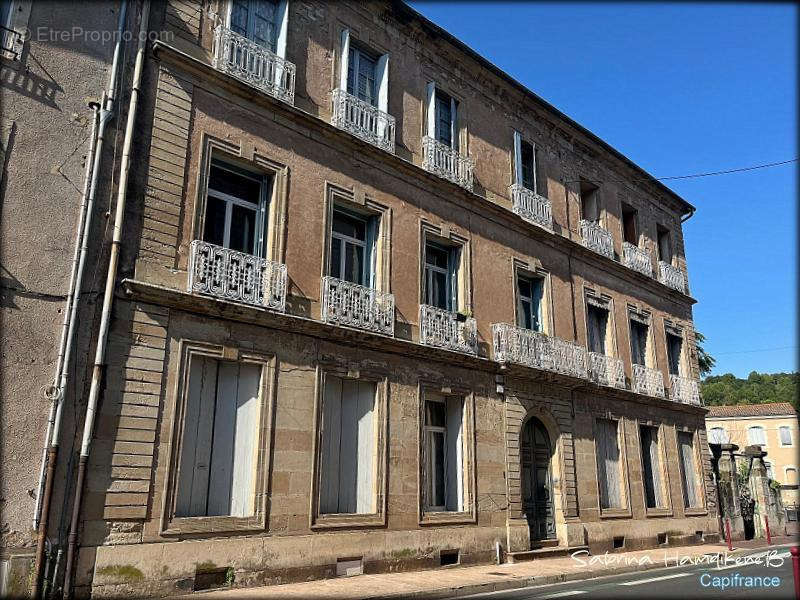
(537, 486)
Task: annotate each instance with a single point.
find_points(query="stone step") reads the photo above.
(544, 551)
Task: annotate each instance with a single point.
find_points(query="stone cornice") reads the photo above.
(204, 75)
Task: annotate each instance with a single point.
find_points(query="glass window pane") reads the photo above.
(350, 226)
(444, 119)
(336, 258)
(354, 263)
(526, 157)
(434, 255)
(233, 184)
(439, 291)
(214, 231)
(434, 413)
(243, 227)
(239, 11)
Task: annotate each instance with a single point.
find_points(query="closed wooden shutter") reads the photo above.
(608, 463)
(652, 467)
(688, 472)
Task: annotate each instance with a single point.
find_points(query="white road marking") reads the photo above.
(564, 594)
(652, 579)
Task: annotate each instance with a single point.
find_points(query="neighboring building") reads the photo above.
(379, 307)
(773, 426)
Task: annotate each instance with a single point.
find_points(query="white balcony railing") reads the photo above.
(671, 276)
(535, 349)
(353, 305)
(684, 390)
(606, 370)
(637, 259)
(649, 382)
(363, 120)
(447, 163)
(236, 276)
(596, 238)
(443, 329)
(531, 206)
(254, 64)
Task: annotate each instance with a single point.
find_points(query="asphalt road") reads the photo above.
(682, 582)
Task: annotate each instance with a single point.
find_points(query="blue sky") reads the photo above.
(681, 89)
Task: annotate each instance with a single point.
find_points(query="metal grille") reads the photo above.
(442, 329)
(236, 276)
(363, 120)
(684, 390)
(606, 370)
(447, 163)
(596, 238)
(671, 276)
(254, 64)
(531, 206)
(353, 305)
(538, 350)
(649, 382)
(637, 259)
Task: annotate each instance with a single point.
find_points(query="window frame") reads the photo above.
(447, 238)
(786, 470)
(643, 318)
(588, 190)
(723, 430)
(602, 302)
(519, 166)
(791, 437)
(763, 435)
(625, 492)
(458, 121)
(348, 37)
(171, 525)
(355, 53)
(666, 508)
(278, 43)
(702, 506)
(468, 514)
(533, 270)
(663, 234)
(322, 521)
(626, 208)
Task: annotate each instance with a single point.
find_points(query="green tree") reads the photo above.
(705, 361)
(758, 388)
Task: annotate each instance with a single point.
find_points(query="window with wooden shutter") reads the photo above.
(688, 467)
(347, 466)
(609, 463)
(785, 434)
(651, 464)
(219, 451)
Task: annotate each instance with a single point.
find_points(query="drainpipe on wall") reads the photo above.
(108, 299)
(102, 115)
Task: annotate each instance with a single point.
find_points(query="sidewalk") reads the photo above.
(462, 581)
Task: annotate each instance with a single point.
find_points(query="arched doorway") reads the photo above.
(536, 453)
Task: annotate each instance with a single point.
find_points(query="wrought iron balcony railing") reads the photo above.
(531, 206)
(649, 382)
(363, 120)
(444, 329)
(606, 370)
(447, 163)
(596, 238)
(671, 276)
(353, 305)
(254, 64)
(682, 389)
(534, 349)
(637, 259)
(11, 42)
(236, 276)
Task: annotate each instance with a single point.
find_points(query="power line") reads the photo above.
(754, 350)
(739, 170)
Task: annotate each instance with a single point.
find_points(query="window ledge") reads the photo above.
(341, 521)
(178, 526)
(654, 513)
(615, 513)
(695, 512)
(447, 518)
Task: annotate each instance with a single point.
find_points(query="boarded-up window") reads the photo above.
(443, 454)
(651, 462)
(688, 468)
(219, 454)
(347, 471)
(609, 463)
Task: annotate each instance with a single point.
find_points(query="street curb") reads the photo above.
(523, 582)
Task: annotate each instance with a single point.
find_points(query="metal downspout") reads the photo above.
(108, 300)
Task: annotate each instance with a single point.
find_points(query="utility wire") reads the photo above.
(740, 170)
(754, 350)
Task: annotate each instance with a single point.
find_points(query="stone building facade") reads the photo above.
(379, 307)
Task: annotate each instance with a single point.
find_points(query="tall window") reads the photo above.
(651, 462)
(718, 435)
(219, 451)
(361, 78)
(785, 435)
(609, 463)
(441, 285)
(443, 453)
(688, 468)
(236, 208)
(529, 302)
(528, 165)
(639, 334)
(446, 128)
(347, 462)
(756, 435)
(352, 247)
(590, 207)
(664, 244)
(674, 348)
(597, 327)
(256, 20)
(629, 231)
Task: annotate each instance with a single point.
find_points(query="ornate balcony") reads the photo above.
(254, 64)
(637, 259)
(443, 329)
(596, 238)
(236, 276)
(684, 390)
(534, 349)
(363, 120)
(649, 382)
(447, 163)
(531, 206)
(606, 370)
(353, 305)
(671, 276)
(11, 42)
